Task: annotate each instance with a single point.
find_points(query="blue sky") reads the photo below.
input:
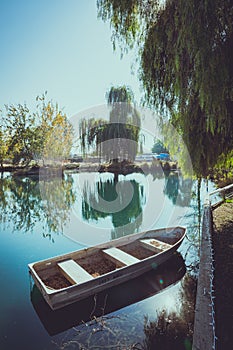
(61, 47)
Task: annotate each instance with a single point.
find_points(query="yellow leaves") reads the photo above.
(44, 134)
(56, 133)
(58, 141)
(59, 119)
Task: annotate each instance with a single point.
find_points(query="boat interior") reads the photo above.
(84, 265)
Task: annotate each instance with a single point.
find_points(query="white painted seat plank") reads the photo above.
(74, 272)
(121, 256)
(155, 244)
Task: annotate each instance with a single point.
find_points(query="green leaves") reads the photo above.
(28, 135)
(118, 137)
(185, 54)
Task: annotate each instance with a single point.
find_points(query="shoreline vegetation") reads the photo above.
(123, 168)
(117, 168)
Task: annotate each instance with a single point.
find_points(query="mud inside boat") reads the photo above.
(98, 264)
(56, 281)
(138, 251)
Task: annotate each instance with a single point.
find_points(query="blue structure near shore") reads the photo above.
(163, 156)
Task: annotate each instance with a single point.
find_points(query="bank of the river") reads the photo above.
(223, 274)
(123, 167)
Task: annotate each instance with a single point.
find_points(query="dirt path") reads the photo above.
(223, 282)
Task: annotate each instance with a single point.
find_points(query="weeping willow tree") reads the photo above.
(121, 135)
(185, 65)
(116, 139)
(90, 131)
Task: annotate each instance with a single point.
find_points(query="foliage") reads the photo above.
(184, 52)
(224, 167)
(116, 139)
(225, 163)
(118, 95)
(90, 131)
(27, 135)
(3, 146)
(54, 129)
(124, 126)
(20, 129)
(159, 147)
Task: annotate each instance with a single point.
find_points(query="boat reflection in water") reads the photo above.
(110, 300)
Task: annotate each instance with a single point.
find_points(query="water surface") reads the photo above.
(44, 217)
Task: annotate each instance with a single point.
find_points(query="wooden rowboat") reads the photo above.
(71, 277)
(88, 310)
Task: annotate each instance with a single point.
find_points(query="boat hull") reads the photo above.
(111, 299)
(65, 296)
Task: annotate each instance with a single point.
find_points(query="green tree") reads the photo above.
(20, 127)
(186, 68)
(3, 146)
(55, 132)
(224, 168)
(43, 134)
(116, 139)
(90, 131)
(120, 137)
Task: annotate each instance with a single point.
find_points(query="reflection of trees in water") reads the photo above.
(126, 216)
(131, 227)
(178, 189)
(24, 203)
(174, 330)
(58, 197)
(19, 198)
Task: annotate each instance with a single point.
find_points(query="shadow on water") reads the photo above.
(110, 300)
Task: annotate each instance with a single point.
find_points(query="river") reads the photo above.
(41, 217)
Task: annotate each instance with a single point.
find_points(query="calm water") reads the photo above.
(43, 217)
